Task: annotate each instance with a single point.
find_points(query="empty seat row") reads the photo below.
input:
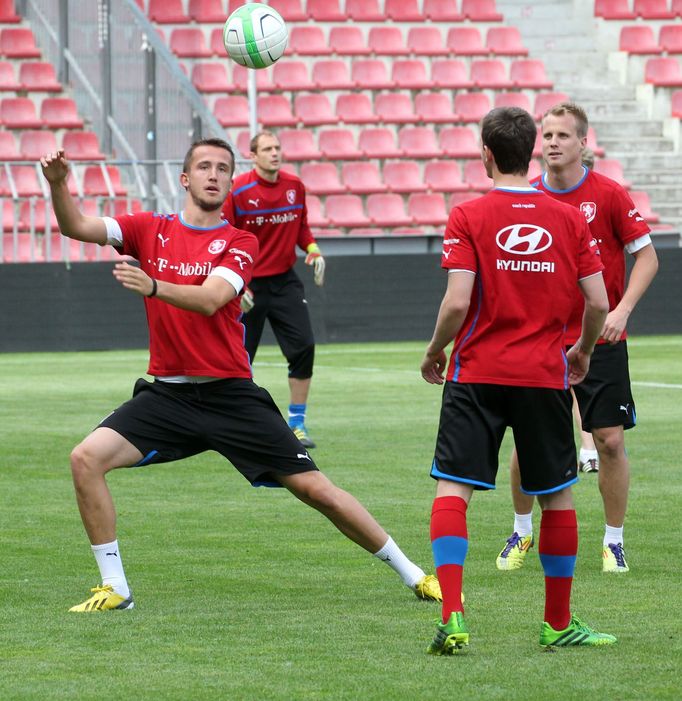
(665, 72)
(8, 13)
(78, 145)
(640, 39)
(18, 42)
(24, 247)
(33, 76)
(55, 113)
(24, 181)
(631, 9)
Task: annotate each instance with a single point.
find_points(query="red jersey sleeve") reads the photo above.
(240, 256)
(133, 226)
(458, 251)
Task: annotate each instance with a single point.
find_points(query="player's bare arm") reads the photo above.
(72, 222)
(206, 299)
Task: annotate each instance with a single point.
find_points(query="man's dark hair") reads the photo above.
(218, 143)
(510, 133)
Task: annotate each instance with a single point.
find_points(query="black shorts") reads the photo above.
(605, 396)
(473, 420)
(236, 418)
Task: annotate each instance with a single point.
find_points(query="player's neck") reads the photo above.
(268, 175)
(510, 180)
(195, 216)
(564, 178)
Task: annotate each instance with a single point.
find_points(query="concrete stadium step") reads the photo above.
(664, 165)
(620, 129)
(659, 192)
(617, 147)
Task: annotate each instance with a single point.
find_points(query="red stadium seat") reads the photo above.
(314, 209)
(243, 143)
(19, 113)
(216, 43)
(613, 9)
(8, 147)
(275, 111)
(298, 145)
(638, 39)
(418, 142)
(490, 73)
(513, 99)
(35, 144)
(23, 248)
(362, 178)
(314, 110)
(459, 142)
(505, 41)
(676, 7)
(10, 219)
(592, 142)
(387, 41)
(82, 146)
(207, 11)
(364, 11)
(472, 106)
(387, 209)
(290, 10)
(663, 71)
(348, 41)
(403, 176)
(403, 10)
(537, 146)
(26, 181)
(643, 204)
(240, 76)
(308, 40)
(167, 12)
(232, 111)
(676, 104)
(60, 113)
(95, 182)
(395, 108)
(653, 9)
(670, 38)
(211, 77)
(333, 74)
(613, 169)
(530, 73)
(409, 73)
(370, 74)
(32, 216)
(321, 179)
(291, 75)
(189, 42)
(7, 79)
(39, 76)
(442, 11)
(18, 42)
(546, 100)
(465, 41)
(346, 211)
(427, 209)
(426, 41)
(450, 73)
(378, 143)
(325, 11)
(459, 197)
(339, 144)
(434, 107)
(355, 108)
(481, 11)
(476, 177)
(444, 176)
(7, 13)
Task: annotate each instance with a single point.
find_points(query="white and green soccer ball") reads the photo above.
(255, 35)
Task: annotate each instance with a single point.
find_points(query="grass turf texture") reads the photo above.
(244, 593)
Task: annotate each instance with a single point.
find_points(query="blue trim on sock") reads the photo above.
(558, 565)
(449, 550)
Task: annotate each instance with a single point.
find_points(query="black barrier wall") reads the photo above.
(52, 307)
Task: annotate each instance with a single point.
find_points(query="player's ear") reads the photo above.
(184, 181)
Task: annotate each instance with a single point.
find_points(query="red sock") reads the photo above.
(449, 542)
(558, 549)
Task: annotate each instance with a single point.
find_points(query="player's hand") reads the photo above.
(246, 303)
(578, 364)
(433, 367)
(614, 326)
(315, 259)
(55, 167)
(133, 278)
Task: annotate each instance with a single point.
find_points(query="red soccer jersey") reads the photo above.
(528, 255)
(614, 222)
(183, 342)
(276, 213)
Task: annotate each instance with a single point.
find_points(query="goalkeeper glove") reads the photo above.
(315, 259)
(246, 303)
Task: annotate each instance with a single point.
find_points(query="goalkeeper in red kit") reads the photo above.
(271, 204)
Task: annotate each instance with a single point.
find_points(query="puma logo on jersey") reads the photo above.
(303, 456)
(254, 202)
(624, 408)
(241, 262)
(163, 240)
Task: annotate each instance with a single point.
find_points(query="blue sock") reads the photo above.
(296, 415)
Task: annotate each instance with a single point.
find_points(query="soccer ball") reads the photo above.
(255, 35)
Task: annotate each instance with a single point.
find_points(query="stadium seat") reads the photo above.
(216, 43)
(387, 209)
(490, 73)
(362, 178)
(444, 176)
(427, 209)
(17, 42)
(403, 177)
(95, 183)
(240, 77)
(537, 146)
(418, 142)
(339, 144)
(308, 40)
(7, 13)
(325, 11)
(387, 41)
(332, 74)
(465, 41)
(19, 113)
(676, 7)
(426, 41)
(207, 11)
(670, 38)
(211, 77)
(167, 12)
(9, 217)
(60, 113)
(243, 143)
(410, 74)
(481, 11)
(476, 177)
(643, 204)
(378, 143)
(364, 11)
(23, 248)
(35, 144)
(26, 181)
(653, 9)
(395, 108)
(530, 73)
(450, 73)
(32, 216)
(313, 207)
(442, 11)
(8, 147)
(346, 211)
(321, 179)
(355, 108)
(38, 76)
(275, 111)
(505, 41)
(471, 106)
(189, 42)
(592, 142)
(663, 72)
(314, 110)
(638, 39)
(459, 142)
(403, 10)
(613, 169)
(348, 41)
(613, 9)
(434, 107)
(547, 100)
(8, 82)
(513, 99)
(676, 104)
(291, 75)
(290, 10)
(82, 146)
(232, 111)
(298, 145)
(370, 74)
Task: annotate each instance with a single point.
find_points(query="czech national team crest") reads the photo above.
(589, 209)
(291, 196)
(217, 246)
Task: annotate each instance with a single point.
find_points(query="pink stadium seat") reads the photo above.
(676, 104)
(409, 73)
(418, 142)
(208, 11)
(403, 177)
(19, 113)
(530, 73)
(314, 110)
(670, 38)
(613, 9)
(7, 79)
(240, 76)
(60, 113)
(232, 111)
(513, 99)
(459, 142)
(481, 11)
(355, 108)
(643, 204)
(387, 41)
(325, 11)
(22, 249)
(348, 41)
(444, 176)
(35, 144)
(465, 41)
(442, 11)
(490, 73)
(472, 106)
(450, 73)
(275, 111)
(378, 143)
(189, 42)
(211, 77)
(290, 10)
(592, 142)
(434, 107)
(505, 41)
(291, 75)
(426, 41)
(339, 144)
(387, 209)
(244, 143)
(82, 146)
(167, 12)
(216, 43)
(663, 71)
(676, 7)
(8, 147)
(638, 39)
(613, 169)
(370, 74)
(9, 219)
(94, 182)
(32, 216)
(537, 147)
(298, 145)
(346, 211)
(26, 181)
(333, 74)
(476, 177)
(7, 13)
(321, 179)
(314, 210)
(394, 108)
(308, 40)
(403, 10)
(364, 11)
(39, 76)
(547, 100)
(653, 9)
(362, 178)
(17, 42)
(427, 209)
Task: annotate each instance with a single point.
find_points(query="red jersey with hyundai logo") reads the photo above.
(614, 222)
(183, 342)
(528, 253)
(276, 213)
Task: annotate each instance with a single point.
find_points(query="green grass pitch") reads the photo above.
(244, 593)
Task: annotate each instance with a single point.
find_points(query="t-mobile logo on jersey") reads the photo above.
(185, 269)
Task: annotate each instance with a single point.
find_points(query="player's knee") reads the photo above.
(609, 443)
(323, 495)
(83, 463)
(301, 362)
